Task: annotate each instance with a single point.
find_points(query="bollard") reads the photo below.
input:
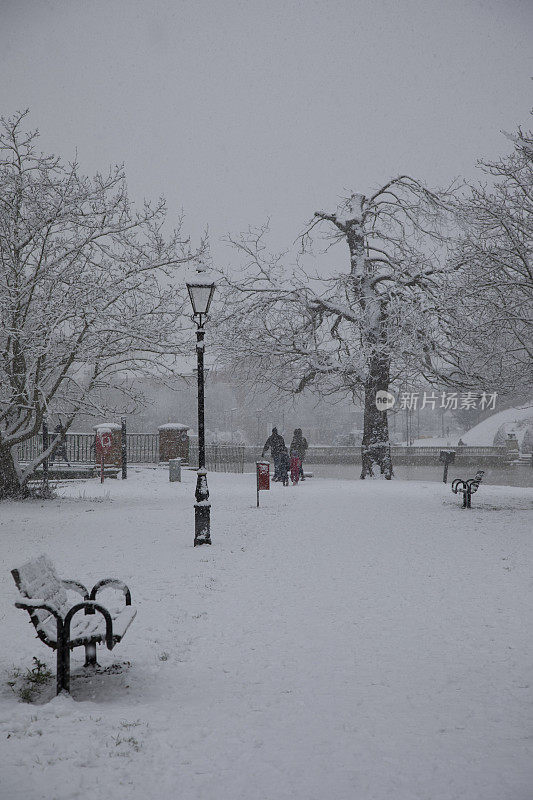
(262, 470)
(174, 469)
(446, 457)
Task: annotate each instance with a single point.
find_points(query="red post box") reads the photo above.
(263, 477)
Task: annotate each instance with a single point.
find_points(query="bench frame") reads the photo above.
(64, 644)
(468, 487)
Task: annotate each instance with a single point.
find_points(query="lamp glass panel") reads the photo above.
(200, 297)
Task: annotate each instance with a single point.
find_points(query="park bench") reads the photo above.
(51, 612)
(62, 471)
(468, 487)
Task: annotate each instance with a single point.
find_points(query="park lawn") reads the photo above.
(348, 640)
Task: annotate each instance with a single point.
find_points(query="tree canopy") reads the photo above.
(88, 290)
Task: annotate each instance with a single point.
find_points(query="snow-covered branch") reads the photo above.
(90, 287)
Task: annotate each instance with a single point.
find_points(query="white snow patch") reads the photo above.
(357, 640)
(107, 427)
(484, 433)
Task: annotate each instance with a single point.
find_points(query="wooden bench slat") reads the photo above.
(89, 628)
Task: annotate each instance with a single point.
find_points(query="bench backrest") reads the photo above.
(37, 579)
(478, 477)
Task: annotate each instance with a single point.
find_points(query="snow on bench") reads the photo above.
(52, 614)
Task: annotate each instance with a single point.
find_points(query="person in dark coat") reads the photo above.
(299, 446)
(276, 444)
(284, 466)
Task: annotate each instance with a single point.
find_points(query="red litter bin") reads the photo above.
(103, 444)
(263, 477)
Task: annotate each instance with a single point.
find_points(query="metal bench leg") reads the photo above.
(469, 499)
(63, 668)
(90, 655)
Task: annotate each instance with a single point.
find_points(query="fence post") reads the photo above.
(45, 447)
(124, 448)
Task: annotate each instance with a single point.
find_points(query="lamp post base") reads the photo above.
(202, 524)
(202, 509)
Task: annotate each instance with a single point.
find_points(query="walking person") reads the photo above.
(298, 447)
(276, 444)
(284, 466)
(296, 466)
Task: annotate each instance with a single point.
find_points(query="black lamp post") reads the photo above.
(201, 291)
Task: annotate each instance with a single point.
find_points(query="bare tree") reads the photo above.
(88, 295)
(490, 306)
(360, 329)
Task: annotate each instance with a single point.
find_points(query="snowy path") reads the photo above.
(359, 641)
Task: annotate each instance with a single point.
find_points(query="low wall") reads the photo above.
(476, 456)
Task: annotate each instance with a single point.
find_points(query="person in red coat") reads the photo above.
(296, 466)
(299, 446)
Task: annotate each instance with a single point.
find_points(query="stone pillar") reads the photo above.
(173, 441)
(115, 454)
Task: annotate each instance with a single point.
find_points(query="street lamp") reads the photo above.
(201, 291)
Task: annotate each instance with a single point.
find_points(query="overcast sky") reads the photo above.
(237, 110)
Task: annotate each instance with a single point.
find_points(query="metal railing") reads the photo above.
(79, 448)
(142, 448)
(219, 457)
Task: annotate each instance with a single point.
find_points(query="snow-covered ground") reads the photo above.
(347, 640)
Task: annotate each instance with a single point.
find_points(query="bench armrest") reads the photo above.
(458, 485)
(78, 587)
(113, 583)
(90, 604)
(30, 604)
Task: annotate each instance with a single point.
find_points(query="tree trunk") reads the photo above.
(375, 447)
(10, 485)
